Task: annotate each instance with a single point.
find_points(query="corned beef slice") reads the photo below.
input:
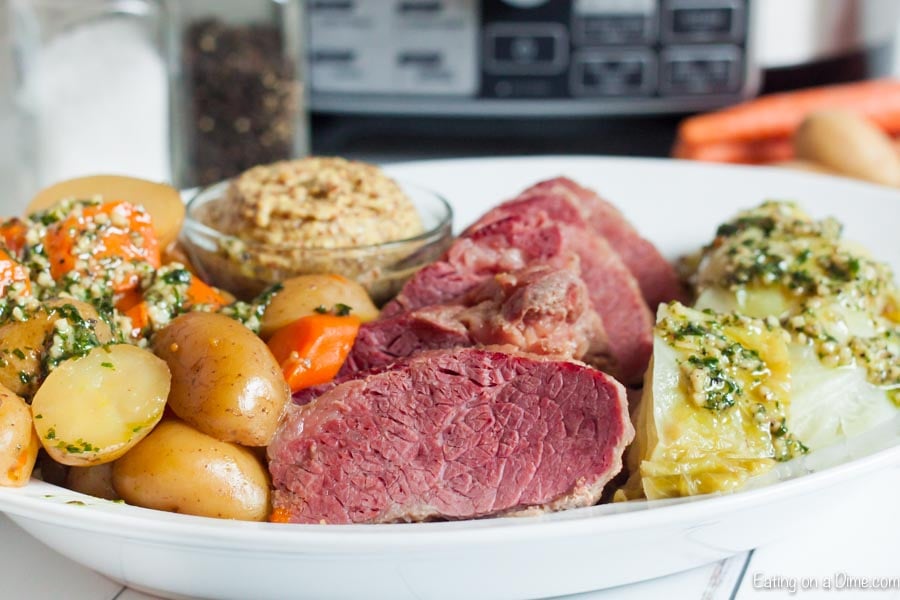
(504, 246)
(452, 434)
(533, 238)
(656, 277)
(539, 309)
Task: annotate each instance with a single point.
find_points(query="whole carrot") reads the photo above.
(779, 115)
(751, 152)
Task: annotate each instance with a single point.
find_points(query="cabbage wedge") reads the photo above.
(817, 322)
(839, 305)
(714, 408)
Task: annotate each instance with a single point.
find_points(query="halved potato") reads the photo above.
(94, 409)
(162, 201)
(23, 343)
(19, 443)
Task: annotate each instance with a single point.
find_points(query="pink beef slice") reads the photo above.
(569, 202)
(454, 434)
(538, 309)
(534, 238)
(508, 244)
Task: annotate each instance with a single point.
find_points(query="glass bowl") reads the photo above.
(247, 268)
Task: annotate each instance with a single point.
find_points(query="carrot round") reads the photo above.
(122, 231)
(12, 235)
(312, 349)
(779, 115)
(12, 272)
(131, 304)
(280, 515)
(200, 293)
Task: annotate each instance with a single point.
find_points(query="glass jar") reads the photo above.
(236, 84)
(91, 89)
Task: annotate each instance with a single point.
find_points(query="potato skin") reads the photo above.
(301, 296)
(23, 344)
(225, 381)
(19, 444)
(178, 469)
(94, 481)
(849, 144)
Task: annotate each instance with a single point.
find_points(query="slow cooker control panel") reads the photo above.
(583, 56)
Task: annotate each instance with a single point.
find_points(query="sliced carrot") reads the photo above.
(12, 272)
(12, 235)
(140, 318)
(280, 515)
(753, 152)
(124, 232)
(201, 293)
(131, 304)
(312, 349)
(779, 115)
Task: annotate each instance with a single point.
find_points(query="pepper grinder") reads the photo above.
(236, 86)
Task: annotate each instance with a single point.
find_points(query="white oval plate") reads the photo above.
(677, 205)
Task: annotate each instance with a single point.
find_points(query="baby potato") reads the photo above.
(19, 443)
(225, 381)
(23, 343)
(301, 296)
(849, 144)
(94, 481)
(178, 469)
(162, 201)
(93, 409)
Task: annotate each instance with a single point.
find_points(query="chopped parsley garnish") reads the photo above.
(340, 310)
(765, 224)
(177, 276)
(79, 447)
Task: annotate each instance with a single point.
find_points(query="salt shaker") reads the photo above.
(91, 92)
(236, 82)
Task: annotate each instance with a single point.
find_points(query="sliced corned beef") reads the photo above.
(451, 435)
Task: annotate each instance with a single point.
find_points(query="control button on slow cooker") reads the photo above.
(703, 21)
(613, 73)
(526, 48)
(707, 70)
(613, 29)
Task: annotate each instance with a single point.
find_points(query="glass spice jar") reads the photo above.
(90, 90)
(236, 85)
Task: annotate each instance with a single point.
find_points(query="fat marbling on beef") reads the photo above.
(656, 276)
(533, 237)
(538, 309)
(453, 434)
